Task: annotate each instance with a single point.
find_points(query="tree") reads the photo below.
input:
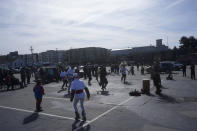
(188, 45)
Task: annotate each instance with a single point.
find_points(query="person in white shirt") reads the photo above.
(77, 93)
(70, 73)
(124, 70)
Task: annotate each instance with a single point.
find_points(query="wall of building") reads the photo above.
(85, 55)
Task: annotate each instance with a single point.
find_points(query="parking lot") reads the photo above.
(112, 110)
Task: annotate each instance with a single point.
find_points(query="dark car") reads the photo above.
(166, 66)
(178, 66)
(47, 74)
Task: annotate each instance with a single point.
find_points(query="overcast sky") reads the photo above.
(112, 24)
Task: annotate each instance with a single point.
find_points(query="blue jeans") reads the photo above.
(76, 100)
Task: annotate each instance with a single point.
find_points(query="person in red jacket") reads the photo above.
(38, 93)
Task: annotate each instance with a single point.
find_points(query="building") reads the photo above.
(158, 42)
(85, 55)
(117, 52)
(12, 60)
(52, 56)
(160, 46)
(144, 49)
(30, 59)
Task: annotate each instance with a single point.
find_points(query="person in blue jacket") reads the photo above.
(38, 93)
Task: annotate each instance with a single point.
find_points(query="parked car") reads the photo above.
(177, 66)
(15, 71)
(47, 74)
(166, 66)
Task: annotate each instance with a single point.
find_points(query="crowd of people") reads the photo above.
(10, 82)
(76, 88)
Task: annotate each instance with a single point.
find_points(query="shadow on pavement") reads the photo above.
(61, 90)
(150, 95)
(4, 88)
(78, 124)
(167, 99)
(162, 87)
(34, 116)
(127, 83)
(67, 96)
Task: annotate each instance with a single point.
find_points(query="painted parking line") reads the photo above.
(40, 113)
(103, 103)
(103, 114)
(55, 98)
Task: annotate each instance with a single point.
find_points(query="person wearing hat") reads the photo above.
(38, 93)
(77, 93)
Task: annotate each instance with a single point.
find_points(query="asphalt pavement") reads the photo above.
(111, 110)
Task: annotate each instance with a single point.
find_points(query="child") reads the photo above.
(38, 93)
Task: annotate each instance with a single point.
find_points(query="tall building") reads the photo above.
(158, 42)
(89, 54)
(52, 56)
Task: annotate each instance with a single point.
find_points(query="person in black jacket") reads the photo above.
(193, 72)
(103, 79)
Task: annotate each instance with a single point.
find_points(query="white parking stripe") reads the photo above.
(55, 98)
(113, 108)
(40, 113)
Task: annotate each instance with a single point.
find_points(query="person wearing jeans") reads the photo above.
(77, 93)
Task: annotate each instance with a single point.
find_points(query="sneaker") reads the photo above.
(77, 117)
(84, 118)
(39, 110)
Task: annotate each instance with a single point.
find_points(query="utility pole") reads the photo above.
(167, 41)
(57, 58)
(31, 49)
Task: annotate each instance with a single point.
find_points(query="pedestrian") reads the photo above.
(38, 93)
(89, 75)
(192, 72)
(96, 72)
(132, 70)
(142, 70)
(63, 76)
(170, 76)
(184, 70)
(28, 75)
(103, 80)
(156, 78)
(8, 81)
(42, 75)
(85, 72)
(124, 73)
(70, 73)
(23, 77)
(137, 67)
(77, 93)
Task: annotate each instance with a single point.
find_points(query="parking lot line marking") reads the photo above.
(101, 115)
(55, 98)
(41, 113)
